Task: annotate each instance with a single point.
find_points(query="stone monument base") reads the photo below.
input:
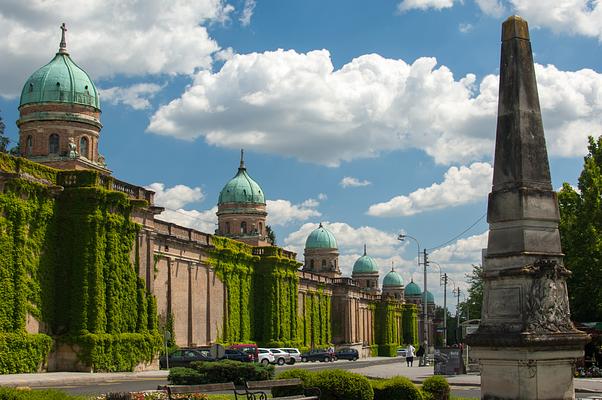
(522, 373)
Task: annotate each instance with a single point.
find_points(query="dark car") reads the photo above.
(317, 355)
(183, 357)
(237, 355)
(347, 353)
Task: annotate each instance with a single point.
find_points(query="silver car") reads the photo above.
(295, 355)
(265, 356)
(281, 357)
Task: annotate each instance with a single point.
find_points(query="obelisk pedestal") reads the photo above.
(526, 343)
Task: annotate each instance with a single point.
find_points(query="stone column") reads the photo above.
(526, 343)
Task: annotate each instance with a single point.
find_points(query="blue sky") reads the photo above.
(374, 117)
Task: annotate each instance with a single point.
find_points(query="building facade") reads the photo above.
(228, 286)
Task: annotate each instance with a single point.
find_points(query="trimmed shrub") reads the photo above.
(231, 371)
(303, 374)
(436, 387)
(28, 394)
(336, 384)
(398, 388)
(184, 376)
(388, 350)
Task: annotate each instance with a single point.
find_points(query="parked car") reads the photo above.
(183, 357)
(317, 355)
(237, 355)
(347, 353)
(247, 348)
(265, 356)
(280, 356)
(295, 355)
(401, 352)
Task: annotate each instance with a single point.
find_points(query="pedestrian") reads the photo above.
(420, 355)
(410, 355)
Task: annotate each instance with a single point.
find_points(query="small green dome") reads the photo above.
(429, 297)
(392, 279)
(60, 81)
(365, 264)
(321, 238)
(412, 289)
(241, 189)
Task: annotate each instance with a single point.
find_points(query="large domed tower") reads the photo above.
(241, 211)
(365, 273)
(59, 123)
(321, 253)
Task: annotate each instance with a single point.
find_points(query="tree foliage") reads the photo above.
(3, 139)
(270, 234)
(471, 307)
(581, 236)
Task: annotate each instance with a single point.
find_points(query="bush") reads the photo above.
(436, 387)
(27, 394)
(398, 388)
(336, 384)
(231, 371)
(185, 376)
(388, 350)
(303, 374)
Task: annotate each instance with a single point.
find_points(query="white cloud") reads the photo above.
(350, 181)
(293, 104)
(175, 197)
(460, 186)
(136, 96)
(283, 212)
(407, 5)
(465, 28)
(247, 12)
(107, 37)
(579, 17)
(203, 221)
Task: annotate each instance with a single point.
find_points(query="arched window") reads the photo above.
(29, 145)
(53, 144)
(83, 147)
(260, 228)
(243, 227)
(323, 263)
(228, 227)
(311, 264)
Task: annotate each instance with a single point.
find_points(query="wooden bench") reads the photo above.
(208, 388)
(253, 386)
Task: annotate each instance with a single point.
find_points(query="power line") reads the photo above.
(459, 234)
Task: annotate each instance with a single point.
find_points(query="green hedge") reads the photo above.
(21, 165)
(23, 353)
(436, 388)
(303, 374)
(395, 388)
(388, 350)
(334, 384)
(27, 394)
(221, 372)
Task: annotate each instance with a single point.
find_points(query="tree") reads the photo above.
(3, 139)
(474, 302)
(270, 234)
(581, 236)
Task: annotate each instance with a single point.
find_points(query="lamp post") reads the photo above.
(443, 278)
(402, 237)
(457, 293)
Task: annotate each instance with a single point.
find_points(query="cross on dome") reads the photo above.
(63, 44)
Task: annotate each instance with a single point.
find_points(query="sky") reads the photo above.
(375, 118)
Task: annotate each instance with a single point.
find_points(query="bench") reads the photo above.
(254, 394)
(211, 387)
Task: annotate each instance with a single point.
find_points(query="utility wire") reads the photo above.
(459, 234)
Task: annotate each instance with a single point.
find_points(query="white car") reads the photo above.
(295, 355)
(401, 352)
(265, 356)
(281, 356)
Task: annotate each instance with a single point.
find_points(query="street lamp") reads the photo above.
(402, 237)
(443, 281)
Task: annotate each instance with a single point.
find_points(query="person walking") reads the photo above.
(420, 355)
(410, 355)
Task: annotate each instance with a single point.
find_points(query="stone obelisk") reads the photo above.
(526, 343)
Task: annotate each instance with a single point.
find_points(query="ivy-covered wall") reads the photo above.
(66, 262)
(388, 327)
(410, 324)
(315, 324)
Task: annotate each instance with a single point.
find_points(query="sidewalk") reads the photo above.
(69, 378)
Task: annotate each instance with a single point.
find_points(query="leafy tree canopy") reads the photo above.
(3, 139)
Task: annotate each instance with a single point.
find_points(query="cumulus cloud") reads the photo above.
(247, 12)
(350, 181)
(461, 185)
(578, 17)
(175, 197)
(283, 212)
(407, 5)
(296, 104)
(465, 28)
(108, 37)
(136, 96)
(203, 221)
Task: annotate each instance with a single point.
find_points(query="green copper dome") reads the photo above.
(241, 189)
(60, 81)
(321, 238)
(392, 279)
(413, 289)
(429, 297)
(365, 264)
